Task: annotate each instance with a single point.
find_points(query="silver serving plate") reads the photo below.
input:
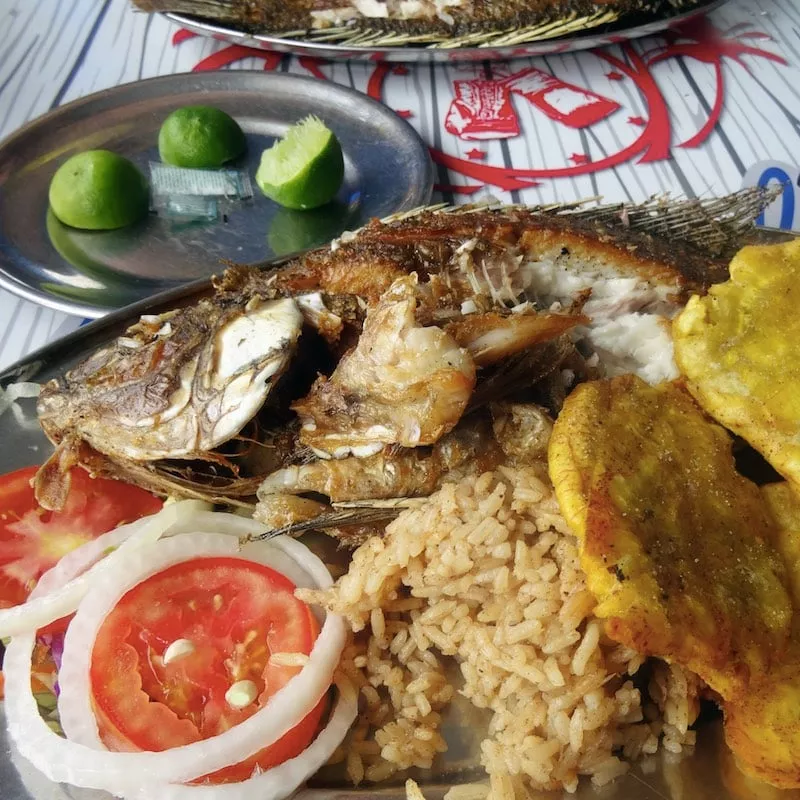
(88, 273)
(708, 773)
(315, 45)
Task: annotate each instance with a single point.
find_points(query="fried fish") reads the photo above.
(628, 283)
(403, 383)
(175, 385)
(488, 305)
(410, 17)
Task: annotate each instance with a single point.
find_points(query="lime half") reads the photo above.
(200, 137)
(305, 169)
(98, 190)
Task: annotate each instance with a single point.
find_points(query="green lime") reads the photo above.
(200, 137)
(98, 190)
(304, 169)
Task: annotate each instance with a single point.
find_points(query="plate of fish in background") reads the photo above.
(512, 453)
(428, 30)
(89, 273)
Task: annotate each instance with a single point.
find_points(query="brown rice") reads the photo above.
(487, 572)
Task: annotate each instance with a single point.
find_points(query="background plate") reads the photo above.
(387, 169)
(708, 773)
(314, 46)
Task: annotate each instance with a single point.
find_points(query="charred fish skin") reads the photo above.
(480, 253)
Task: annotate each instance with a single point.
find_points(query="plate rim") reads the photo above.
(77, 308)
(420, 53)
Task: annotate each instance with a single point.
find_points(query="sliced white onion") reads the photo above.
(294, 566)
(22, 389)
(49, 604)
(279, 781)
(77, 561)
(219, 522)
(15, 392)
(75, 708)
(124, 773)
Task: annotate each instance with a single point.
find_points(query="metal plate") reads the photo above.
(709, 773)
(600, 37)
(387, 169)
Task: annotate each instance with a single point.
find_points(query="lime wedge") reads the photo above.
(304, 169)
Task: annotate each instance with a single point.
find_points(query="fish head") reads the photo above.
(175, 385)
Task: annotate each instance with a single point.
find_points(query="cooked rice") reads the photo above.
(488, 572)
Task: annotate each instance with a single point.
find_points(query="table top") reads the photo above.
(702, 111)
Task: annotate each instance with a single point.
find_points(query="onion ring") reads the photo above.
(75, 708)
(81, 558)
(42, 608)
(287, 560)
(65, 761)
(283, 779)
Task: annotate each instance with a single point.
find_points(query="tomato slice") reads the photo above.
(32, 539)
(232, 615)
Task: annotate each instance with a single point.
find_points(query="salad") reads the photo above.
(182, 661)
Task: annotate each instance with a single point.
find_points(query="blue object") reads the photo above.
(787, 199)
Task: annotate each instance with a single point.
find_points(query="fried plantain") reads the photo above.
(783, 503)
(763, 727)
(675, 543)
(737, 347)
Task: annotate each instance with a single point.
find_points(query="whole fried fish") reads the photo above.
(487, 306)
(412, 17)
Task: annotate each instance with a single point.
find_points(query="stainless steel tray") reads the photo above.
(89, 273)
(709, 773)
(316, 46)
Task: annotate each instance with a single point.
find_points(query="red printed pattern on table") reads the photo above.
(483, 108)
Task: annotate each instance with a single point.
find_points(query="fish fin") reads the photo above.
(52, 482)
(333, 519)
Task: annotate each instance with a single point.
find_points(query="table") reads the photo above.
(701, 112)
